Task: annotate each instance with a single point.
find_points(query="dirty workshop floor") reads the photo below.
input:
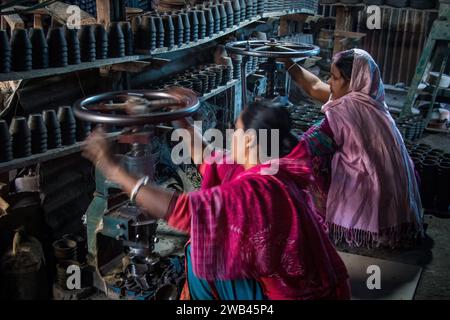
(434, 254)
(435, 282)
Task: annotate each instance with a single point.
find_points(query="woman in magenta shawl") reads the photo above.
(371, 197)
(252, 235)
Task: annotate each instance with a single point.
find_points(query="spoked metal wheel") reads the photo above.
(271, 50)
(137, 107)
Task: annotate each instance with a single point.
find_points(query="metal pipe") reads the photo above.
(244, 80)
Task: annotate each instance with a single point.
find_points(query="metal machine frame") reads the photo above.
(120, 234)
(272, 50)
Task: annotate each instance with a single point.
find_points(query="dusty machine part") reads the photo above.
(272, 50)
(121, 238)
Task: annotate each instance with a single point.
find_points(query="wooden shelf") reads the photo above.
(38, 73)
(162, 51)
(285, 12)
(384, 6)
(218, 90)
(49, 155)
(67, 150)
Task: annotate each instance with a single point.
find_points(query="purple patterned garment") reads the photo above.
(373, 197)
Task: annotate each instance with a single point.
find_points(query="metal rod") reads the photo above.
(436, 89)
(244, 80)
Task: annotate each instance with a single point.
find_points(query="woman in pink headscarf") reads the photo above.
(371, 196)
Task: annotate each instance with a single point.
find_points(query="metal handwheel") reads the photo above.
(137, 107)
(272, 50)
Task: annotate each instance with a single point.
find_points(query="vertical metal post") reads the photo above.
(436, 89)
(244, 80)
(270, 87)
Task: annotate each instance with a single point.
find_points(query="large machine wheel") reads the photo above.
(272, 50)
(137, 107)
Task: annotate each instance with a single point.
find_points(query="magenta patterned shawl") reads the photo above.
(265, 227)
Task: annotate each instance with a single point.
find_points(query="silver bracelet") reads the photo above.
(141, 182)
(293, 65)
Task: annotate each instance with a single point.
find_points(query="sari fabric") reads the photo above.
(373, 196)
(263, 227)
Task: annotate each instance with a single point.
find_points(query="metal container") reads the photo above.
(38, 133)
(68, 125)
(178, 25)
(53, 129)
(116, 41)
(5, 53)
(147, 33)
(193, 21)
(128, 37)
(21, 51)
(6, 153)
(21, 137)
(169, 31)
(40, 48)
(101, 42)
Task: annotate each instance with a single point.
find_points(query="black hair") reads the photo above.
(267, 115)
(344, 62)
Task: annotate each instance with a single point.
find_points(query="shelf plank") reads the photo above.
(221, 89)
(384, 6)
(49, 155)
(286, 12)
(67, 150)
(165, 50)
(38, 73)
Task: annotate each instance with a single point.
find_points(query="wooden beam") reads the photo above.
(37, 20)
(131, 12)
(159, 62)
(103, 12)
(349, 34)
(343, 23)
(58, 11)
(134, 66)
(285, 20)
(14, 21)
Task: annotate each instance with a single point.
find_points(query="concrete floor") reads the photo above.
(435, 282)
(434, 254)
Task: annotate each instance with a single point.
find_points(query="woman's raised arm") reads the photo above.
(309, 82)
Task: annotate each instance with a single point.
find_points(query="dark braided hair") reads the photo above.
(266, 115)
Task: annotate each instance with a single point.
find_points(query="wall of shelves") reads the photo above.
(67, 150)
(160, 52)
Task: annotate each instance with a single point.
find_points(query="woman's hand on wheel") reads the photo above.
(97, 151)
(286, 61)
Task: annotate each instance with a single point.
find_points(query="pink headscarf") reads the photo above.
(373, 196)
